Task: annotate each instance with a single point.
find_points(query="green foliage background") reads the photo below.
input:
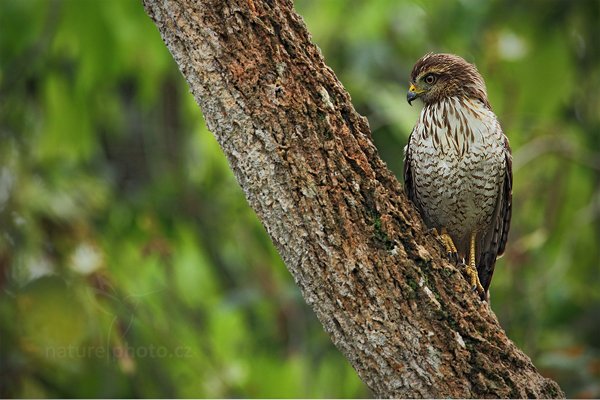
(131, 265)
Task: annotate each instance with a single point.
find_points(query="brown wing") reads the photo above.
(507, 203)
(408, 174)
(494, 242)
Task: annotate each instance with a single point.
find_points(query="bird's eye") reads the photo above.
(430, 79)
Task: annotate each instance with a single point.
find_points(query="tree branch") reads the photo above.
(380, 285)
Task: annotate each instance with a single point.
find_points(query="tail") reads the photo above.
(485, 270)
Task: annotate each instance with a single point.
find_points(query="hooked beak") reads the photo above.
(412, 94)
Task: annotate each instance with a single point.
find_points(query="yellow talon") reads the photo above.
(471, 269)
(449, 245)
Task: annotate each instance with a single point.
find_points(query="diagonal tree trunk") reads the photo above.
(378, 283)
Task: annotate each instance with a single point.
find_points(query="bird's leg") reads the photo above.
(471, 268)
(450, 247)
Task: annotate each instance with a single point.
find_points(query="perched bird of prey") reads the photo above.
(458, 165)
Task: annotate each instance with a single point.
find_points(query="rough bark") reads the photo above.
(378, 282)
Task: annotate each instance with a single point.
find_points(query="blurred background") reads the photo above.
(131, 265)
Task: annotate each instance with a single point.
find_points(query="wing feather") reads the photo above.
(408, 173)
(494, 242)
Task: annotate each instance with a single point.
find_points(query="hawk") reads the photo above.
(458, 165)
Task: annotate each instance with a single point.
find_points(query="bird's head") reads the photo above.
(438, 76)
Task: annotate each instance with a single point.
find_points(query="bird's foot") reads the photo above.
(471, 270)
(473, 278)
(449, 246)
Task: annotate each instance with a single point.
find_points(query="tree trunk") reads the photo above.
(379, 284)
